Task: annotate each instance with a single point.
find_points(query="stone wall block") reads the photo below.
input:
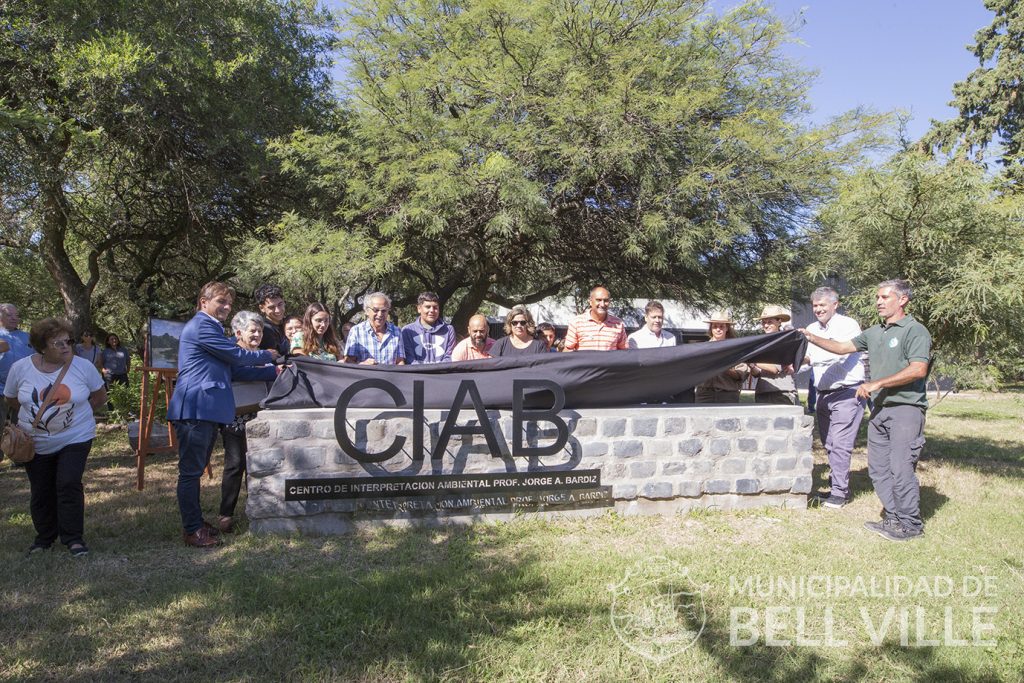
(261, 463)
(778, 484)
(747, 486)
(702, 426)
(802, 484)
(323, 429)
(690, 447)
(727, 425)
(717, 486)
(746, 444)
(806, 463)
(658, 448)
(807, 421)
(627, 449)
(720, 447)
(732, 466)
(259, 429)
(674, 426)
(291, 429)
(645, 426)
(757, 424)
(776, 444)
(701, 467)
(785, 463)
(691, 488)
(642, 470)
(624, 491)
(760, 466)
(672, 468)
(585, 426)
(803, 442)
(654, 490)
(783, 424)
(614, 426)
(595, 449)
(614, 472)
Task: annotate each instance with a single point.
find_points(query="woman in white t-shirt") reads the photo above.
(63, 435)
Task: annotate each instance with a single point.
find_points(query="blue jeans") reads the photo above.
(195, 443)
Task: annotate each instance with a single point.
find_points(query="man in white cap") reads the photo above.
(774, 382)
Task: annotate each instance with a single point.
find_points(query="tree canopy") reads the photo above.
(505, 150)
(945, 228)
(133, 137)
(991, 99)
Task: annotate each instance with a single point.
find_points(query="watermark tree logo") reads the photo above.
(656, 611)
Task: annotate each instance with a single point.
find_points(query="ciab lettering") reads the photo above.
(467, 389)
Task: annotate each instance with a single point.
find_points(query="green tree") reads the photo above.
(506, 150)
(944, 228)
(991, 99)
(133, 155)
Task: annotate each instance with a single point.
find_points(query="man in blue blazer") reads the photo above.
(202, 399)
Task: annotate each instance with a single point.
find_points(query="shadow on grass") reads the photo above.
(860, 485)
(977, 453)
(392, 604)
(979, 415)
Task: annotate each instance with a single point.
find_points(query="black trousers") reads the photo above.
(234, 469)
(58, 499)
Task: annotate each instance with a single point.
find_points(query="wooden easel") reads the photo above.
(153, 380)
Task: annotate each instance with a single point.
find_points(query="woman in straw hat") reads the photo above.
(774, 382)
(723, 388)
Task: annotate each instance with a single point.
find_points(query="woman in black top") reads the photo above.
(519, 327)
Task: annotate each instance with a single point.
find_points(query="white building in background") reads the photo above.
(686, 323)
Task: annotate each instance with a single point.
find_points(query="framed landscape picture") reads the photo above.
(163, 342)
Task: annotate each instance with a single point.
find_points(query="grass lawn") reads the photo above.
(539, 600)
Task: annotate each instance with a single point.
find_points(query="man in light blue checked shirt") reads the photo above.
(376, 340)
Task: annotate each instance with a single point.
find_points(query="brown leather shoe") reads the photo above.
(200, 538)
(211, 528)
(226, 524)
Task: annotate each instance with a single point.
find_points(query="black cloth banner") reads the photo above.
(590, 379)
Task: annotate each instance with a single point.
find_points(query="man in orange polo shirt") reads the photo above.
(595, 330)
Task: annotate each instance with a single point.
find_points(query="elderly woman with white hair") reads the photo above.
(248, 329)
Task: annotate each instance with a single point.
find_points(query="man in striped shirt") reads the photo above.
(595, 330)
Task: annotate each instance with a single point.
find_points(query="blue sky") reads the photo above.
(881, 54)
(885, 54)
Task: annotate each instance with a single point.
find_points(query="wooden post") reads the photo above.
(153, 381)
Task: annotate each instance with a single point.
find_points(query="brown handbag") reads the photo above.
(16, 442)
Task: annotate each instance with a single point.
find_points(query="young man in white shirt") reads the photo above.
(652, 335)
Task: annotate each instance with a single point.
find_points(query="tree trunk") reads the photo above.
(470, 304)
(73, 291)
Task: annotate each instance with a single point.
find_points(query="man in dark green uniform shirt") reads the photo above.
(900, 352)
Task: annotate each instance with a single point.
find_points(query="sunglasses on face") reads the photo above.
(517, 323)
